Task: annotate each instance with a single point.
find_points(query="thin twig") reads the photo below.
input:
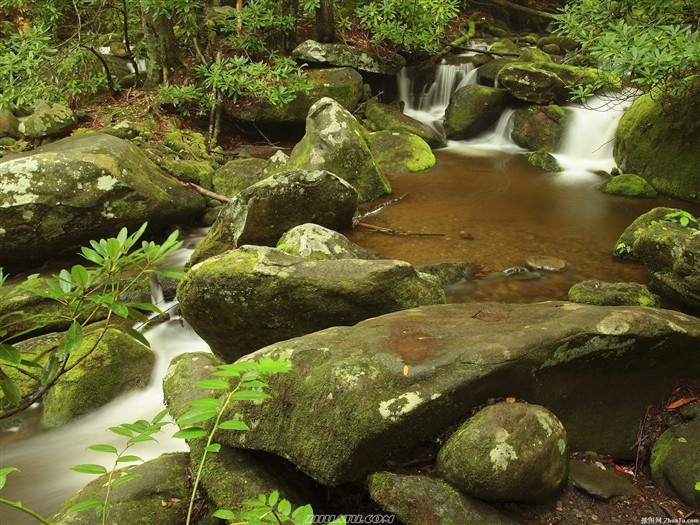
(206, 192)
(359, 218)
(390, 231)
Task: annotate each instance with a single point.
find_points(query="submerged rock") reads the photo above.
(312, 241)
(628, 185)
(336, 142)
(400, 152)
(60, 196)
(261, 213)
(675, 462)
(539, 127)
(380, 117)
(448, 272)
(473, 109)
(612, 294)
(546, 263)
(345, 55)
(401, 379)
(507, 452)
(245, 299)
(420, 500)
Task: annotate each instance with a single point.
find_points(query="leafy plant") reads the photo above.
(685, 219)
(136, 432)
(622, 249)
(17, 504)
(85, 294)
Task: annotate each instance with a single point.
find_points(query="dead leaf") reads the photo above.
(681, 402)
(511, 400)
(405, 370)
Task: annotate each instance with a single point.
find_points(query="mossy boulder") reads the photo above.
(487, 73)
(450, 271)
(612, 294)
(128, 129)
(628, 185)
(314, 52)
(531, 83)
(675, 462)
(247, 298)
(507, 452)
(632, 233)
(238, 174)
(662, 145)
(420, 500)
(562, 42)
(336, 142)
(539, 127)
(505, 45)
(60, 196)
(9, 124)
(381, 117)
(400, 152)
(199, 172)
(543, 160)
(315, 242)
(532, 54)
(48, 120)
(473, 109)
(341, 84)
(158, 496)
(261, 213)
(400, 380)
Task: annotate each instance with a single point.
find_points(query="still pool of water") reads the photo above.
(496, 210)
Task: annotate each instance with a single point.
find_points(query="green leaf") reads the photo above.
(128, 459)
(120, 309)
(249, 395)
(50, 370)
(135, 334)
(212, 384)
(224, 514)
(206, 402)
(92, 255)
(284, 507)
(147, 307)
(232, 424)
(121, 431)
(74, 338)
(697, 486)
(273, 498)
(89, 468)
(196, 415)
(123, 479)
(3, 474)
(10, 353)
(214, 447)
(103, 448)
(171, 273)
(303, 515)
(80, 275)
(190, 433)
(87, 504)
(159, 416)
(141, 439)
(9, 389)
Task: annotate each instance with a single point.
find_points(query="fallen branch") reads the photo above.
(389, 231)
(484, 52)
(359, 218)
(206, 192)
(523, 9)
(471, 31)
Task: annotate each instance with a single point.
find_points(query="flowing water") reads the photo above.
(491, 208)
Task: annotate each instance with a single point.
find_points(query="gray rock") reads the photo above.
(612, 294)
(400, 152)
(261, 213)
(245, 299)
(9, 124)
(312, 241)
(675, 462)
(59, 196)
(336, 142)
(420, 500)
(507, 452)
(48, 120)
(344, 55)
(473, 109)
(239, 174)
(401, 379)
(450, 271)
(539, 127)
(532, 83)
(381, 117)
(599, 483)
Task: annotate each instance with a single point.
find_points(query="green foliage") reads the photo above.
(622, 249)
(685, 219)
(408, 25)
(653, 44)
(136, 432)
(271, 509)
(117, 265)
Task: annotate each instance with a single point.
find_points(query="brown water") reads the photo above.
(495, 210)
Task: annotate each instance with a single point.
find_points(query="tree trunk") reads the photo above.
(163, 49)
(523, 9)
(285, 41)
(325, 22)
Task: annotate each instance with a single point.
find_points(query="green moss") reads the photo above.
(628, 185)
(535, 55)
(543, 160)
(397, 152)
(196, 171)
(238, 174)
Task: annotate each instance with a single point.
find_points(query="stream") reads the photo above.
(491, 208)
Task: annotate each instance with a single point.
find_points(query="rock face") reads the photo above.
(380, 117)
(58, 197)
(261, 213)
(140, 501)
(9, 124)
(312, 241)
(543, 160)
(507, 452)
(675, 462)
(539, 127)
(343, 55)
(245, 299)
(420, 500)
(671, 253)
(628, 185)
(403, 378)
(237, 175)
(660, 145)
(532, 83)
(336, 142)
(341, 84)
(48, 120)
(473, 109)
(400, 152)
(612, 294)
